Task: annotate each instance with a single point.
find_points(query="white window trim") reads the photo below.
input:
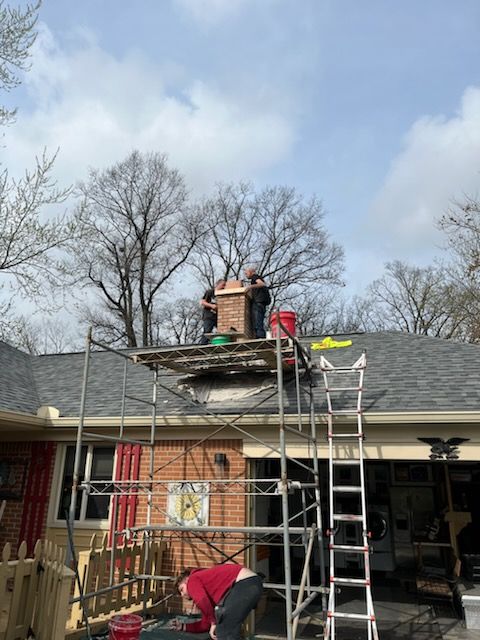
(57, 483)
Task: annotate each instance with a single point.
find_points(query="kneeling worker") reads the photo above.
(209, 310)
(225, 594)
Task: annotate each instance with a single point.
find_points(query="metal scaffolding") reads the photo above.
(291, 364)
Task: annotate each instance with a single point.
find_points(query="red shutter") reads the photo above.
(37, 494)
(127, 468)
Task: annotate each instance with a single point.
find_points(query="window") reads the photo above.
(96, 463)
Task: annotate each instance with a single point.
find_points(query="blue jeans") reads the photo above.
(258, 319)
(209, 325)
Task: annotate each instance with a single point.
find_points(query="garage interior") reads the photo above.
(424, 519)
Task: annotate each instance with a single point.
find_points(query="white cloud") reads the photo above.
(97, 108)
(211, 12)
(439, 163)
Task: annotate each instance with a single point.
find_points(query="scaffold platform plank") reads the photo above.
(250, 355)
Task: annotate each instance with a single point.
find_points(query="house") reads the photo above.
(415, 387)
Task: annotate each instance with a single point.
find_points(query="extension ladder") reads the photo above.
(344, 386)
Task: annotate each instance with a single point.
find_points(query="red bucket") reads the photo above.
(287, 318)
(125, 627)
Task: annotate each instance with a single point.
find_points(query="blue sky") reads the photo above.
(372, 105)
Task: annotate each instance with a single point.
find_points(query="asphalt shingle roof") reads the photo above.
(17, 385)
(405, 372)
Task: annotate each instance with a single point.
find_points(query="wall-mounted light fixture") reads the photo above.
(220, 459)
(444, 449)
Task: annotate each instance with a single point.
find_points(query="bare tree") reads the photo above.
(178, 323)
(38, 336)
(137, 232)
(27, 241)
(331, 313)
(415, 300)
(461, 225)
(276, 230)
(17, 35)
(29, 235)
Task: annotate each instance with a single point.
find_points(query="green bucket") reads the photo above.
(220, 340)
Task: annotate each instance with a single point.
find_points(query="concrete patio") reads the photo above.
(399, 617)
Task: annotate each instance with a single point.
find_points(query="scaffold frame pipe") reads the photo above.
(78, 444)
(284, 488)
(213, 529)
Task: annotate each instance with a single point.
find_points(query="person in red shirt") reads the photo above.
(225, 595)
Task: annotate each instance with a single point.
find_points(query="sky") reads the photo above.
(374, 106)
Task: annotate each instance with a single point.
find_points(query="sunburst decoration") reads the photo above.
(188, 503)
(188, 506)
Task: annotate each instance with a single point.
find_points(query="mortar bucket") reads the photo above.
(288, 320)
(125, 627)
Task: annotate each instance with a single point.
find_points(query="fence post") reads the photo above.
(84, 562)
(60, 614)
(6, 551)
(25, 571)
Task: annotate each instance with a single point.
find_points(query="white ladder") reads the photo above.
(345, 384)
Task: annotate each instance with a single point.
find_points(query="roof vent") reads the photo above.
(48, 412)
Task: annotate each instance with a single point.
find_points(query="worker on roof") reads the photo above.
(209, 310)
(224, 593)
(260, 299)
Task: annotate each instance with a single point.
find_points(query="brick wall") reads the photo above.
(233, 310)
(174, 460)
(188, 550)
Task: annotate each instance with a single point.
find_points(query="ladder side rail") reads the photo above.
(331, 534)
(361, 456)
(372, 626)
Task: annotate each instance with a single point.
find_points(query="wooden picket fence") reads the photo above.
(137, 558)
(34, 593)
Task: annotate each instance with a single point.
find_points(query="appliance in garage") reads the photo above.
(380, 526)
(382, 557)
(413, 508)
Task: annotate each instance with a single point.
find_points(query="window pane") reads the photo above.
(102, 469)
(66, 492)
(102, 463)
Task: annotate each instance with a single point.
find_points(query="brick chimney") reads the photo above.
(233, 309)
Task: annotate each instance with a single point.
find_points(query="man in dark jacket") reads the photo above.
(225, 595)
(260, 297)
(209, 310)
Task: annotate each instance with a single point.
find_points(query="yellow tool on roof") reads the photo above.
(330, 343)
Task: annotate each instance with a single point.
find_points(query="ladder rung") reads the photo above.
(342, 369)
(347, 517)
(339, 488)
(354, 582)
(351, 616)
(345, 435)
(348, 548)
(345, 461)
(330, 389)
